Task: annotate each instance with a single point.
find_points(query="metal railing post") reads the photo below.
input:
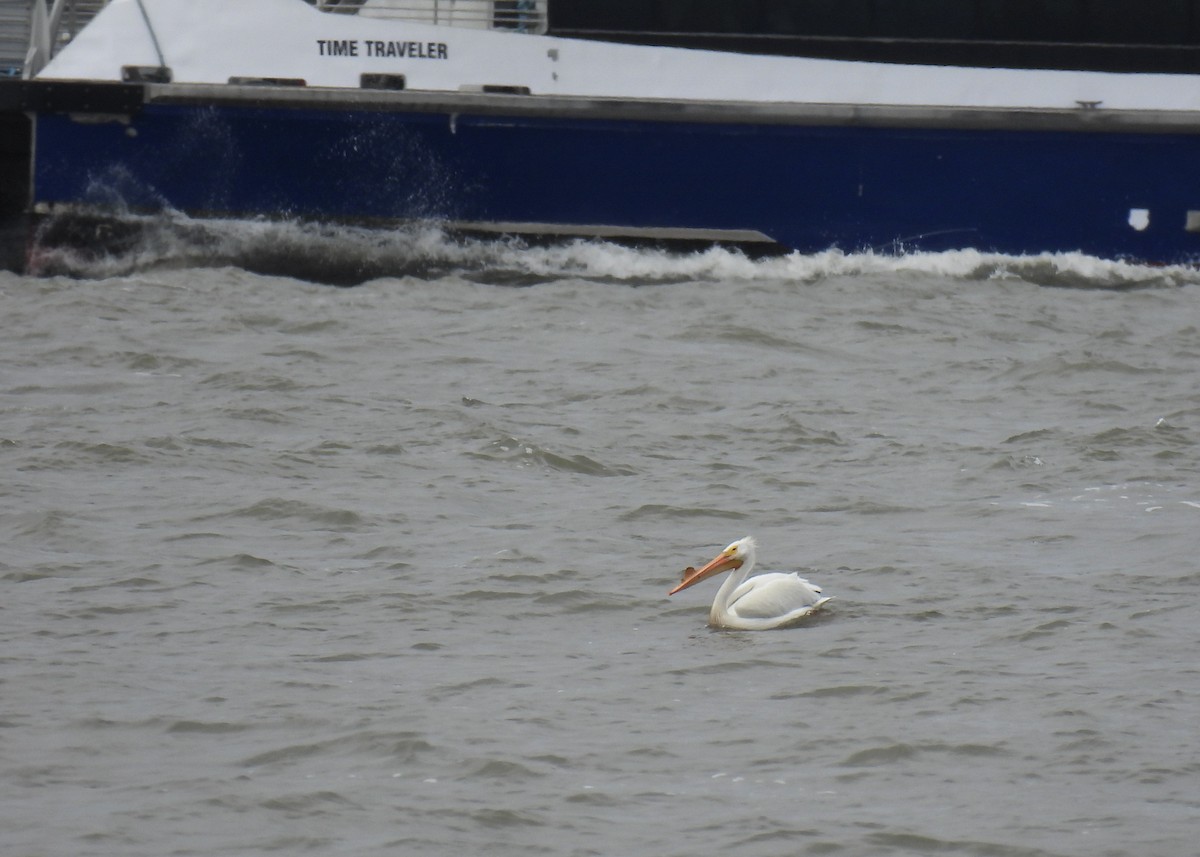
(38, 53)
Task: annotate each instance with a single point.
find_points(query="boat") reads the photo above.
(1009, 126)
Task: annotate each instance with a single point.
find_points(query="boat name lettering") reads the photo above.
(374, 48)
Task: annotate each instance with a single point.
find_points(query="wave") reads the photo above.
(89, 248)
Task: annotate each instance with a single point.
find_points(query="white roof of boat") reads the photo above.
(215, 40)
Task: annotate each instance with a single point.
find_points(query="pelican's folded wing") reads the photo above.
(768, 596)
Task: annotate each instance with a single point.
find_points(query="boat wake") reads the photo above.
(344, 255)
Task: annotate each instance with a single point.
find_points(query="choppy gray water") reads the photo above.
(293, 569)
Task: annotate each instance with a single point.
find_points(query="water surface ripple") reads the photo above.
(383, 570)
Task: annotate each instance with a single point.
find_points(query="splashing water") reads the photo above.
(349, 255)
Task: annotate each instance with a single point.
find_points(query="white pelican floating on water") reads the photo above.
(770, 600)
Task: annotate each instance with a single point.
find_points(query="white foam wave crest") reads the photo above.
(348, 255)
(609, 261)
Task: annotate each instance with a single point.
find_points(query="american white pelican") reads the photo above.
(767, 601)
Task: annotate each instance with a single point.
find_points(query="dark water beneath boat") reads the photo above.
(383, 570)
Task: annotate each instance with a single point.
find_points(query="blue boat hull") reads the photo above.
(890, 185)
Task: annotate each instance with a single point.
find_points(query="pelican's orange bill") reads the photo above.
(693, 576)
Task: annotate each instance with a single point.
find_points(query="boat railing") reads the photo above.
(524, 16)
(50, 26)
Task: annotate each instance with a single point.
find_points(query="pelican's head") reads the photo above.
(742, 548)
(735, 555)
